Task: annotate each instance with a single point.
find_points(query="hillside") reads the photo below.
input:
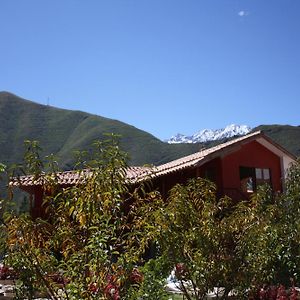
(61, 131)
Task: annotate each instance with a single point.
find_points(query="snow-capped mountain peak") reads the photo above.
(206, 135)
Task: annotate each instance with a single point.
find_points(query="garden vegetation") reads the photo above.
(97, 236)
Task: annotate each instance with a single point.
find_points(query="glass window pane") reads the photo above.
(266, 174)
(258, 173)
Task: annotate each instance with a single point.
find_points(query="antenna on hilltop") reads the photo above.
(48, 101)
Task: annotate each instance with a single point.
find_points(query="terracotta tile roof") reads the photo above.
(73, 177)
(135, 173)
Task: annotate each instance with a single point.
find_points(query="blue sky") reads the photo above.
(164, 66)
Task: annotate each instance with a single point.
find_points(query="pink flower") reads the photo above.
(7, 272)
(93, 287)
(281, 293)
(112, 292)
(181, 270)
(294, 294)
(136, 276)
(272, 292)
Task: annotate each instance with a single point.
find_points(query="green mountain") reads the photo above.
(61, 131)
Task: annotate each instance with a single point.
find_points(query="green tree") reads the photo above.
(215, 245)
(197, 240)
(93, 240)
(268, 234)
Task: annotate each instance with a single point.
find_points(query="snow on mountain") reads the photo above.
(206, 135)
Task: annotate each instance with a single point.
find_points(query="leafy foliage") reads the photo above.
(269, 239)
(213, 245)
(93, 241)
(153, 282)
(95, 235)
(196, 238)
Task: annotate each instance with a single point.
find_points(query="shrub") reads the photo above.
(94, 235)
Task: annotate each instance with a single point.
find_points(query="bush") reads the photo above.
(217, 246)
(95, 234)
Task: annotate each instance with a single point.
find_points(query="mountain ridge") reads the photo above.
(207, 135)
(61, 132)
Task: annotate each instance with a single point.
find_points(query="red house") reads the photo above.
(237, 167)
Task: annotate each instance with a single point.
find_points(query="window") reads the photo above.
(251, 178)
(258, 173)
(247, 177)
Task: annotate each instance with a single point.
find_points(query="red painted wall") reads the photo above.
(250, 155)
(213, 166)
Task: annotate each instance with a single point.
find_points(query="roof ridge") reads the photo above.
(195, 156)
